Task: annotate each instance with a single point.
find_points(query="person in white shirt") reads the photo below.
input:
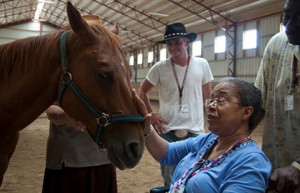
(184, 83)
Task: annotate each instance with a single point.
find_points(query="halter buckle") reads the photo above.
(67, 76)
(103, 120)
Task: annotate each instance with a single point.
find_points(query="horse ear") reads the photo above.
(92, 19)
(115, 29)
(77, 23)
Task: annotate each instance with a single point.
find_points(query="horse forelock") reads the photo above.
(114, 39)
(114, 43)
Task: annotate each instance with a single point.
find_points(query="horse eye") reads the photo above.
(102, 74)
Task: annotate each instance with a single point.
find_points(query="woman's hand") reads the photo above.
(139, 103)
(143, 111)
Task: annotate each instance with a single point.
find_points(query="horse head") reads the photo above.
(99, 70)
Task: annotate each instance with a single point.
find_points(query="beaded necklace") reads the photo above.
(196, 167)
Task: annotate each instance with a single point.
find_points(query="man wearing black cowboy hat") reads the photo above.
(175, 31)
(184, 83)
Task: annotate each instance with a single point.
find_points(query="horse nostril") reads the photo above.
(133, 150)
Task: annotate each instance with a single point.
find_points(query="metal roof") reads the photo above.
(142, 22)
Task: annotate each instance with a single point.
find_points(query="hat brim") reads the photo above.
(192, 37)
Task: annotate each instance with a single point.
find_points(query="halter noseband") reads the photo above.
(103, 119)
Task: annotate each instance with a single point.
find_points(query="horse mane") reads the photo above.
(16, 57)
(22, 55)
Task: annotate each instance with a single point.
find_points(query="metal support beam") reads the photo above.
(231, 49)
(216, 19)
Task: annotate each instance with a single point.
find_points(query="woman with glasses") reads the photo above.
(226, 159)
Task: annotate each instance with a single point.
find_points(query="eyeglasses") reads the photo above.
(217, 101)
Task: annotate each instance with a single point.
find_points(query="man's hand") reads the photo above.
(76, 125)
(158, 123)
(156, 120)
(59, 117)
(285, 180)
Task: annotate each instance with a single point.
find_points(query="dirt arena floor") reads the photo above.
(26, 169)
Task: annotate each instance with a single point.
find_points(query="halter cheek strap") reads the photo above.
(103, 119)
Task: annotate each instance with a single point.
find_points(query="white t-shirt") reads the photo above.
(190, 116)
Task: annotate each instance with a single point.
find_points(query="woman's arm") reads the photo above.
(156, 145)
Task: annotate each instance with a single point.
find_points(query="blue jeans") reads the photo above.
(167, 171)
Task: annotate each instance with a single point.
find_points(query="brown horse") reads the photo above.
(84, 69)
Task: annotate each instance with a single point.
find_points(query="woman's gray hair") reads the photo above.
(248, 95)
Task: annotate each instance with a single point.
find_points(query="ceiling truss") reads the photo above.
(142, 22)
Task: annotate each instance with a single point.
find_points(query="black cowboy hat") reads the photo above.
(177, 30)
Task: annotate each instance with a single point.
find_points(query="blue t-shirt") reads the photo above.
(245, 169)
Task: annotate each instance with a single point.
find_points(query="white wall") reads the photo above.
(15, 32)
(247, 61)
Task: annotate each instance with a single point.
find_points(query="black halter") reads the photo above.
(102, 118)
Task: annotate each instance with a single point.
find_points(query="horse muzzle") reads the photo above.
(125, 155)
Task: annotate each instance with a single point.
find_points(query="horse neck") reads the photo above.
(29, 75)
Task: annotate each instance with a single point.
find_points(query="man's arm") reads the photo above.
(206, 91)
(144, 89)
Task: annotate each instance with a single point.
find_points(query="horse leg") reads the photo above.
(7, 148)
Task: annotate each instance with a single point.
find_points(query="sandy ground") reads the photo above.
(26, 169)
